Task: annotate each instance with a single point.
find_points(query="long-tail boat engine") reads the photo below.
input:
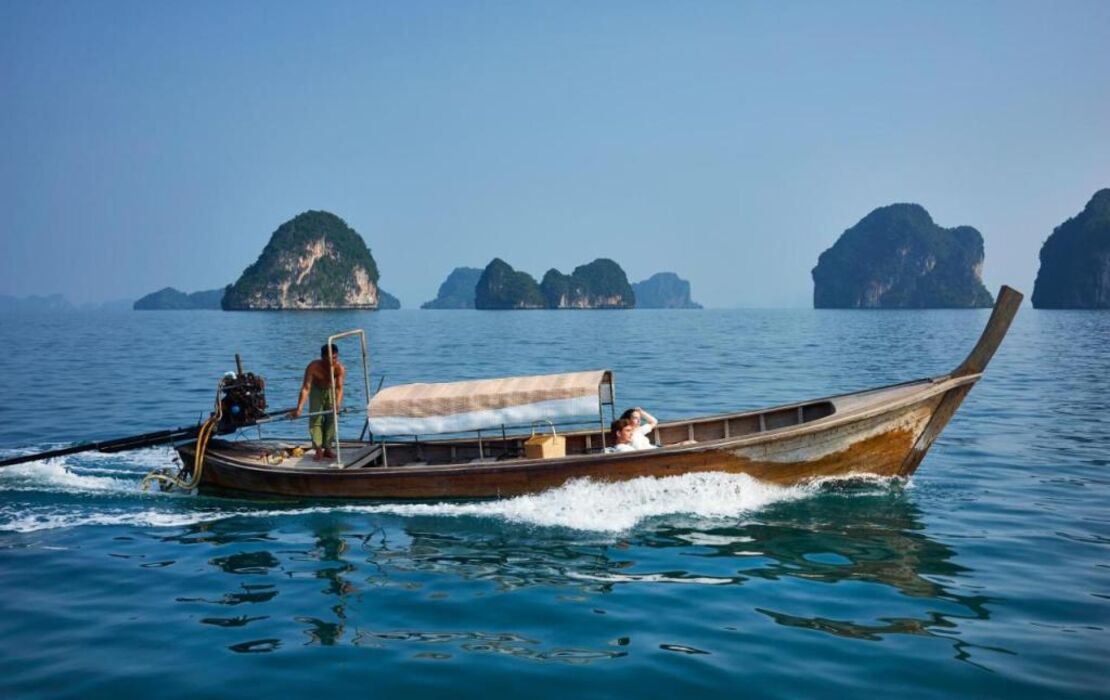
(240, 402)
(242, 399)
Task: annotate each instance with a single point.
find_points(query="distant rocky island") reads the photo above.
(502, 287)
(170, 299)
(600, 284)
(664, 290)
(897, 258)
(387, 302)
(457, 291)
(1075, 260)
(313, 261)
(51, 303)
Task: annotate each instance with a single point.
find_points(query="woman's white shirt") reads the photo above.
(640, 437)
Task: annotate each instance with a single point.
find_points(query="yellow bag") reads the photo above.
(544, 446)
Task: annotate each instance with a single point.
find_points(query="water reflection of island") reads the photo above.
(334, 589)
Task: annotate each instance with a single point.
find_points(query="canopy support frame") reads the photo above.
(365, 380)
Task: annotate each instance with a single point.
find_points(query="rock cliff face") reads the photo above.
(1075, 261)
(664, 290)
(502, 287)
(313, 261)
(601, 284)
(897, 258)
(457, 291)
(170, 299)
(560, 291)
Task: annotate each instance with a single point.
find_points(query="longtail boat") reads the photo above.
(884, 432)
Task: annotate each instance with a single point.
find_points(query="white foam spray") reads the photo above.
(90, 472)
(581, 504)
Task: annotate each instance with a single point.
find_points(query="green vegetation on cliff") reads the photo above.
(314, 260)
(502, 287)
(896, 257)
(1075, 260)
(558, 289)
(606, 284)
(600, 284)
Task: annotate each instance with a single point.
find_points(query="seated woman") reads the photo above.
(629, 434)
(621, 431)
(642, 424)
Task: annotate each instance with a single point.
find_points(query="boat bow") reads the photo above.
(1005, 308)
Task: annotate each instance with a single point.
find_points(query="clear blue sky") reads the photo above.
(147, 144)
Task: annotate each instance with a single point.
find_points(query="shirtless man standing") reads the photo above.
(316, 388)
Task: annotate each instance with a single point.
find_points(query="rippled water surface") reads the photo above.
(987, 574)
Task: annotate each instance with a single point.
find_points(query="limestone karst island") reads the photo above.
(1075, 261)
(897, 258)
(316, 261)
(457, 291)
(313, 261)
(601, 284)
(664, 290)
(170, 299)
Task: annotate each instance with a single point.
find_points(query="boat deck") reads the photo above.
(279, 455)
(862, 400)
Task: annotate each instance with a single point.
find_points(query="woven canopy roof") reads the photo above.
(419, 409)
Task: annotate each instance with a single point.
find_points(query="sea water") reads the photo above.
(986, 574)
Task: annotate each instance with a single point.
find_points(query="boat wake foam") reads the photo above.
(615, 507)
(580, 505)
(85, 473)
(58, 518)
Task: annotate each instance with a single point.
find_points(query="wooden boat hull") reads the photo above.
(883, 432)
(886, 443)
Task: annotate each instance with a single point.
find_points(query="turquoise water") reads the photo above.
(987, 574)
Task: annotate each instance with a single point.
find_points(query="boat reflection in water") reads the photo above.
(853, 563)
